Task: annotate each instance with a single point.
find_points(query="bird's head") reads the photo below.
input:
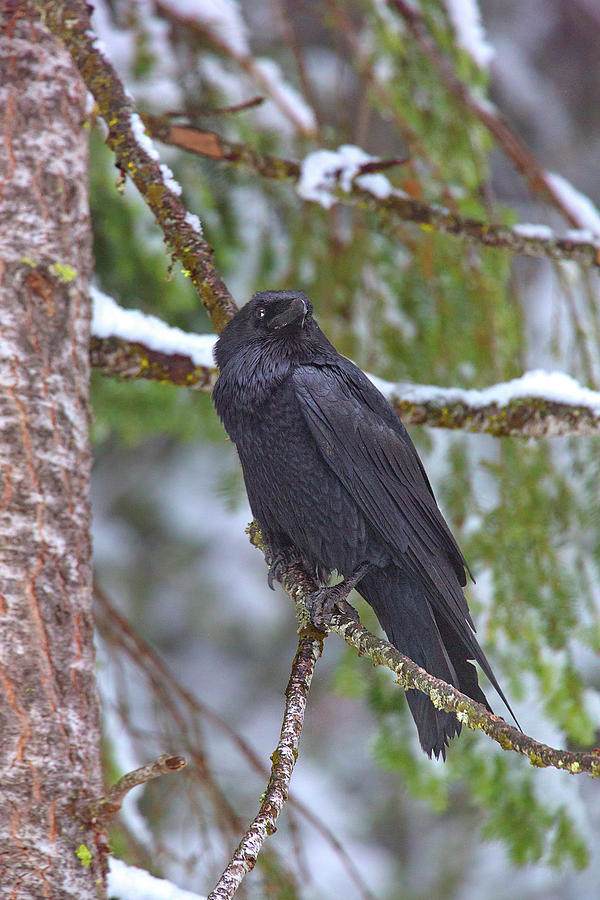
(284, 312)
(279, 320)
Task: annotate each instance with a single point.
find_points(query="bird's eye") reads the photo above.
(261, 312)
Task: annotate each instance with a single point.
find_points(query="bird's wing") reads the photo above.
(370, 451)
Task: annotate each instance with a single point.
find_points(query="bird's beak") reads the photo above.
(289, 312)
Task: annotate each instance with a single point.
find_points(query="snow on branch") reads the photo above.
(134, 345)
(136, 155)
(470, 34)
(129, 343)
(349, 175)
(130, 883)
(326, 176)
(580, 207)
(538, 404)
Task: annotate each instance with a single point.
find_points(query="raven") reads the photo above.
(334, 479)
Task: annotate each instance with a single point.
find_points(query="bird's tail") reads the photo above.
(407, 617)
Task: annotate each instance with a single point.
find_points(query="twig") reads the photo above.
(199, 112)
(395, 209)
(69, 20)
(310, 645)
(104, 808)
(244, 60)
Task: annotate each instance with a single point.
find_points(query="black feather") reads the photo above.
(332, 474)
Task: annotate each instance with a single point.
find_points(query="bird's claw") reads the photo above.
(279, 564)
(322, 604)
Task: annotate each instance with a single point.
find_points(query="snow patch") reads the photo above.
(579, 206)
(581, 236)
(111, 320)
(139, 133)
(324, 170)
(194, 222)
(376, 184)
(130, 883)
(169, 179)
(470, 33)
(541, 232)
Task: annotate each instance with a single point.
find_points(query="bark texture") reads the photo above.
(49, 716)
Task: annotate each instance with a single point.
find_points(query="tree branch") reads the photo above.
(522, 416)
(410, 676)
(136, 157)
(474, 715)
(395, 209)
(522, 408)
(512, 145)
(130, 359)
(104, 808)
(310, 646)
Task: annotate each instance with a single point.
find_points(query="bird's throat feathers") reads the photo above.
(253, 370)
(252, 374)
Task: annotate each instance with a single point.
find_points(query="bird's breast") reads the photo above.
(292, 488)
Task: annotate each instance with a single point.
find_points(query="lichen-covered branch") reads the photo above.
(522, 416)
(474, 715)
(116, 356)
(284, 757)
(444, 696)
(104, 808)
(395, 209)
(69, 20)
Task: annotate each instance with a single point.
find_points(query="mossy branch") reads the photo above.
(70, 21)
(394, 210)
(129, 359)
(298, 584)
(521, 417)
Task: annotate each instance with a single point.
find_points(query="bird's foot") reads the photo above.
(279, 563)
(322, 604)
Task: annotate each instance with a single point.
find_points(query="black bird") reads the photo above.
(333, 478)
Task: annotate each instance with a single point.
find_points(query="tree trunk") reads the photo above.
(49, 716)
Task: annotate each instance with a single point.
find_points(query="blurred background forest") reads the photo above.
(170, 510)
